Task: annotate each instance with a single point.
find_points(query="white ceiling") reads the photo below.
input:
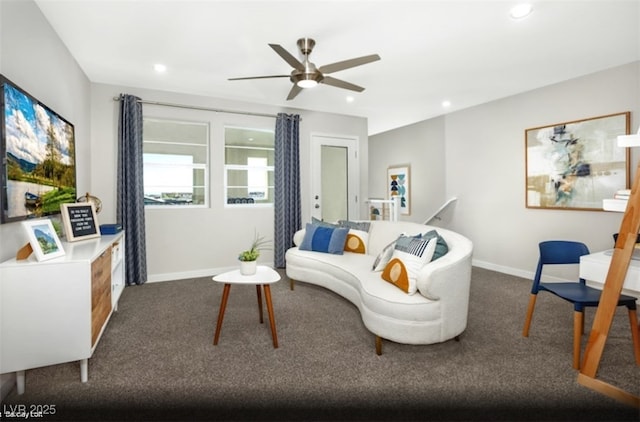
(466, 52)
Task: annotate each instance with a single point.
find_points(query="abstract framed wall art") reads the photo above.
(575, 165)
(398, 185)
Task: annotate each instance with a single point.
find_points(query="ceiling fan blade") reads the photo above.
(295, 63)
(328, 80)
(347, 64)
(259, 77)
(295, 90)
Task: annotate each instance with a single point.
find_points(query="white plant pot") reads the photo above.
(248, 267)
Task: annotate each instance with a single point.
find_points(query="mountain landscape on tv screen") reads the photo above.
(39, 147)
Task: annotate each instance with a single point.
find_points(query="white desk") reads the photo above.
(594, 268)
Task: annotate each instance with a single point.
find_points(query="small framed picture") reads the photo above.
(43, 239)
(398, 178)
(79, 221)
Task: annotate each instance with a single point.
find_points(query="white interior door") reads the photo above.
(334, 177)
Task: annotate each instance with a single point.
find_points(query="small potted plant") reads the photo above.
(249, 257)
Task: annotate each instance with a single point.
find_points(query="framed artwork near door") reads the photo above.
(398, 185)
(575, 165)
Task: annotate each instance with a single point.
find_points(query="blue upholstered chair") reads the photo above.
(567, 252)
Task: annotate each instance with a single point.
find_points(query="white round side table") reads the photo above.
(264, 276)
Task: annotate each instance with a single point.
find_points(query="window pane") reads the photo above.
(197, 154)
(249, 160)
(175, 162)
(240, 155)
(242, 195)
(175, 131)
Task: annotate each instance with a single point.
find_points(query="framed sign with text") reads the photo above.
(79, 221)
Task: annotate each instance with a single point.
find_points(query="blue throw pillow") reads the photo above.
(324, 239)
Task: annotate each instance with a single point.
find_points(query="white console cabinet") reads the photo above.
(55, 311)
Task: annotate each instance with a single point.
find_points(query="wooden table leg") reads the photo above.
(272, 321)
(223, 306)
(259, 291)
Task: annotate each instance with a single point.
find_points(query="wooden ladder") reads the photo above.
(622, 252)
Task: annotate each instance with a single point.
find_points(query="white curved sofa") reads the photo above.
(436, 313)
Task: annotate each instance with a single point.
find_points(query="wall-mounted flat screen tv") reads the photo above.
(37, 147)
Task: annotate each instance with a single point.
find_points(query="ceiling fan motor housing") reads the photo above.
(306, 45)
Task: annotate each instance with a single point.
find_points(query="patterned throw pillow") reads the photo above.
(356, 225)
(358, 236)
(409, 256)
(322, 223)
(320, 238)
(356, 241)
(441, 246)
(383, 257)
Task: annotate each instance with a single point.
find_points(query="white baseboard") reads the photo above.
(516, 272)
(502, 269)
(207, 272)
(210, 272)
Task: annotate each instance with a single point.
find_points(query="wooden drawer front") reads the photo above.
(100, 276)
(100, 293)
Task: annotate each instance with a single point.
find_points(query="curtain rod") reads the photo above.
(248, 113)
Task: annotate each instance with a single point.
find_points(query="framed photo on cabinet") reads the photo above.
(575, 165)
(43, 239)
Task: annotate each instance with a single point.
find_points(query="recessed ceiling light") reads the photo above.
(446, 103)
(350, 99)
(521, 10)
(160, 68)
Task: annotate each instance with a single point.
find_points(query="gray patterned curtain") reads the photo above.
(287, 185)
(130, 206)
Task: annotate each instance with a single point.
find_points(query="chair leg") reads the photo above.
(527, 320)
(291, 282)
(578, 326)
(378, 345)
(635, 334)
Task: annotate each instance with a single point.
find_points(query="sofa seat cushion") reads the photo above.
(382, 297)
(376, 294)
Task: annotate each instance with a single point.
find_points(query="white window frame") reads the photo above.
(194, 166)
(228, 167)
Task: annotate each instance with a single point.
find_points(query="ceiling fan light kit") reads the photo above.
(307, 83)
(306, 75)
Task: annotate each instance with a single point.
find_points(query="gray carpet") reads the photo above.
(156, 361)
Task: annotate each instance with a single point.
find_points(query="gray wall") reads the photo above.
(181, 243)
(422, 146)
(184, 243)
(478, 155)
(32, 56)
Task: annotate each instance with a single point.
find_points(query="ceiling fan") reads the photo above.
(306, 75)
